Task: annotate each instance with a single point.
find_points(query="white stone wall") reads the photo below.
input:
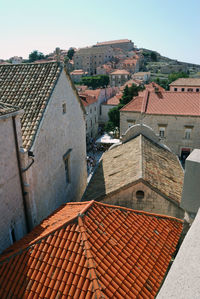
(174, 132)
(104, 113)
(11, 207)
(57, 134)
(92, 120)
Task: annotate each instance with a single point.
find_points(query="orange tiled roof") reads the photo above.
(167, 103)
(100, 251)
(114, 100)
(28, 86)
(87, 99)
(186, 82)
(120, 72)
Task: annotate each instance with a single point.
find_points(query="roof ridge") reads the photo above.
(90, 258)
(141, 152)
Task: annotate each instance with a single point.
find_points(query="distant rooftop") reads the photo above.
(120, 72)
(186, 82)
(111, 42)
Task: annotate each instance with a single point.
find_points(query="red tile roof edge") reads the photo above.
(139, 212)
(7, 255)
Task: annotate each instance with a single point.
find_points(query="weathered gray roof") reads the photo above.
(6, 109)
(28, 86)
(137, 159)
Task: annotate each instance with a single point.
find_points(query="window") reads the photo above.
(175, 89)
(90, 110)
(64, 108)
(95, 108)
(66, 159)
(86, 125)
(182, 89)
(130, 122)
(197, 89)
(162, 131)
(140, 195)
(12, 235)
(190, 89)
(188, 131)
(91, 123)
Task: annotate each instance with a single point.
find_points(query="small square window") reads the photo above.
(64, 108)
(188, 132)
(182, 89)
(162, 132)
(175, 89)
(197, 89)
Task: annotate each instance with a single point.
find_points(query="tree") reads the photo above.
(70, 53)
(154, 56)
(94, 82)
(114, 113)
(174, 76)
(35, 55)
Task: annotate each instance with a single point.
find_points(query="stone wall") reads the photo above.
(11, 207)
(58, 133)
(174, 132)
(152, 202)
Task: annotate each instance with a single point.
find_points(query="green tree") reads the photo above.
(94, 82)
(174, 76)
(35, 55)
(70, 53)
(114, 113)
(154, 56)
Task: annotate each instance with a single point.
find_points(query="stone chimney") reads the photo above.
(191, 188)
(57, 53)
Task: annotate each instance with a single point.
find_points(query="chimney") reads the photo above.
(57, 52)
(191, 188)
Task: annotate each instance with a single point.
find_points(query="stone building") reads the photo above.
(77, 75)
(174, 117)
(53, 151)
(119, 77)
(140, 173)
(124, 44)
(144, 76)
(13, 223)
(186, 85)
(89, 59)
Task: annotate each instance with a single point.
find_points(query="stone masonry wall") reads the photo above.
(152, 201)
(11, 207)
(175, 128)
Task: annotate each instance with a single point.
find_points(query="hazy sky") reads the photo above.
(171, 27)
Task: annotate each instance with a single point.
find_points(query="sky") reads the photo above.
(170, 27)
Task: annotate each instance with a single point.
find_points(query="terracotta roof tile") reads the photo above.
(108, 252)
(114, 100)
(112, 42)
(166, 103)
(186, 82)
(137, 159)
(28, 86)
(120, 72)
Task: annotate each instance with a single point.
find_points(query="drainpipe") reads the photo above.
(20, 175)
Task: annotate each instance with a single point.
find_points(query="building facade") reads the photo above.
(89, 59)
(119, 77)
(53, 153)
(13, 218)
(185, 85)
(174, 117)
